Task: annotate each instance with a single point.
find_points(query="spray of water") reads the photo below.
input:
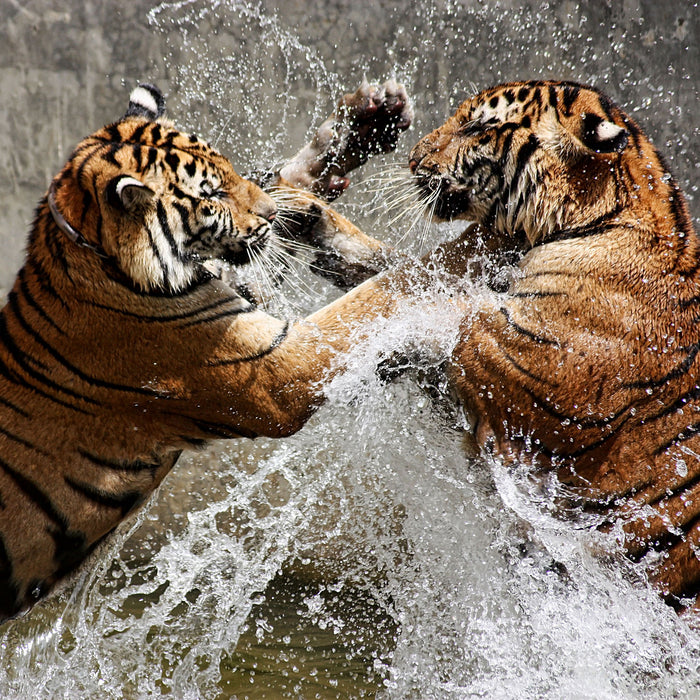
(370, 553)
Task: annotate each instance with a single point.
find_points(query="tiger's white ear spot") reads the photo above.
(146, 101)
(607, 131)
(603, 136)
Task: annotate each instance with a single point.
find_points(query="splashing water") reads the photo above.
(369, 553)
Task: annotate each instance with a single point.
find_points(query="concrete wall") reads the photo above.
(253, 78)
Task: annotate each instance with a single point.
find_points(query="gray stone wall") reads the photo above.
(253, 76)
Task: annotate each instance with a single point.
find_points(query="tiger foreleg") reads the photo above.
(365, 122)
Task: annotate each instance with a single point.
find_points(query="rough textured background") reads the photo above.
(66, 67)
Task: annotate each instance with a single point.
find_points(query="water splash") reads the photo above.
(462, 582)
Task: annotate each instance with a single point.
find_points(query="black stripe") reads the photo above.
(191, 168)
(157, 255)
(584, 424)
(87, 201)
(679, 403)
(12, 407)
(136, 151)
(181, 194)
(109, 154)
(167, 231)
(51, 234)
(137, 133)
(21, 441)
(216, 317)
(152, 157)
(276, 342)
(114, 133)
(97, 147)
(527, 333)
(98, 225)
(36, 495)
(19, 357)
(602, 224)
(181, 316)
(662, 542)
(121, 465)
(31, 301)
(13, 377)
(221, 430)
(607, 106)
(43, 279)
(173, 161)
(687, 433)
(559, 454)
(676, 372)
(124, 502)
(94, 381)
(184, 213)
(527, 372)
(570, 93)
(504, 146)
(667, 494)
(524, 154)
(536, 295)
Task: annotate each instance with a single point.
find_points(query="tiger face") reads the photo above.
(162, 205)
(498, 160)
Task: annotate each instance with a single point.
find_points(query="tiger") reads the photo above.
(584, 358)
(119, 348)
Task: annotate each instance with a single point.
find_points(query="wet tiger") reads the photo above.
(118, 349)
(587, 361)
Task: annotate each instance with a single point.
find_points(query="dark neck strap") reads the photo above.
(72, 233)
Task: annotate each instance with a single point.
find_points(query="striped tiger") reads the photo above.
(118, 349)
(587, 361)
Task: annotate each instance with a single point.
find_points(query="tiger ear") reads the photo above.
(128, 193)
(601, 135)
(146, 101)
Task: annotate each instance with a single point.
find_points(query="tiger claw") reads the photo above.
(365, 122)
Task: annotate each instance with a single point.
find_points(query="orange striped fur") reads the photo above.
(588, 361)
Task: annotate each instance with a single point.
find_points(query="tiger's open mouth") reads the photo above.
(444, 199)
(243, 251)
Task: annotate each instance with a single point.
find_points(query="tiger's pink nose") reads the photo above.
(412, 165)
(265, 208)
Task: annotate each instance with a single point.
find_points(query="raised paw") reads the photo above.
(367, 121)
(370, 120)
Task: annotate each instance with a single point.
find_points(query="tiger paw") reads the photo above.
(366, 122)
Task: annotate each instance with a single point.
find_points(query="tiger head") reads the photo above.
(527, 159)
(158, 202)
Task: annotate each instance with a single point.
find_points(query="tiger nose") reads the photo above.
(265, 208)
(412, 165)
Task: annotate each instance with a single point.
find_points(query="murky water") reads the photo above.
(369, 553)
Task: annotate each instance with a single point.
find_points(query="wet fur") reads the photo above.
(588, 363)
(118, 349)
